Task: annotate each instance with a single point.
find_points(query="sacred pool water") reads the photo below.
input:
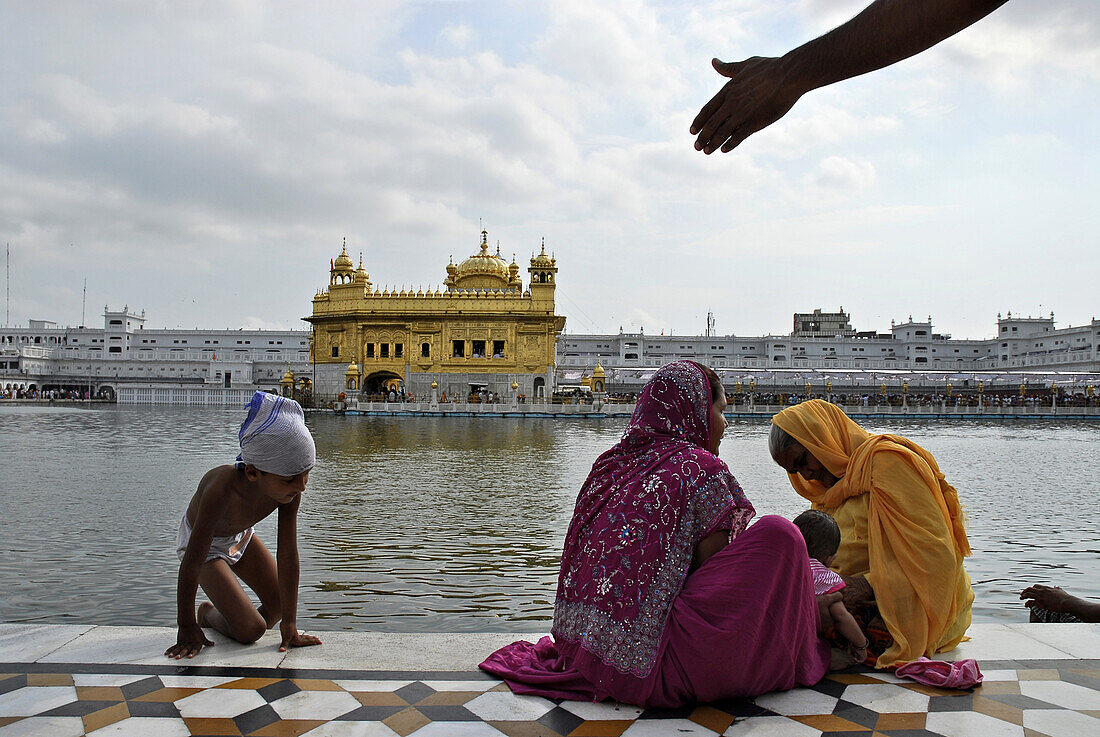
(456, 524)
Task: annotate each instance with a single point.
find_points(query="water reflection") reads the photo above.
(456, 524)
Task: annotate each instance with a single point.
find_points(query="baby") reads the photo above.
(822, 537)
(217, 544)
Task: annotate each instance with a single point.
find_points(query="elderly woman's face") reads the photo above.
(718, 422)
(796, 459)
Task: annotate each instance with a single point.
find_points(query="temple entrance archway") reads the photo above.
(383, 382)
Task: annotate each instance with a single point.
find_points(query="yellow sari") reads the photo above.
(901, 526)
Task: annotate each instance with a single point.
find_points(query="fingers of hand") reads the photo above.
(735, 140)
(703, 121)
(726, 68)
(177, 651)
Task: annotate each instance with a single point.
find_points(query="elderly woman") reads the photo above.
(664, 597)
(902, 535)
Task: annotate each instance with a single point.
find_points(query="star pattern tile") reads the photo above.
(1029, 699)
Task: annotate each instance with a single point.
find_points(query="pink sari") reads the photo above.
(630, 624)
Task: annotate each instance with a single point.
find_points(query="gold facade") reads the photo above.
(482, 322)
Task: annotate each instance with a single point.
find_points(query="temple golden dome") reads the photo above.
(599, 372)
(343, 262)
(542, 259)
(361, 275)
(483, 270)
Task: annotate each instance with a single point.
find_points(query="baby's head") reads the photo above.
(821, 533)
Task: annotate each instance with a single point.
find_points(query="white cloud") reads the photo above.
(1062, 47)
(837, 172)
(458, 35)
(619, 49)
(242, 136)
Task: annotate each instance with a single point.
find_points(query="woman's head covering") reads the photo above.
(274, 437)
(830, 436)
(646, 504)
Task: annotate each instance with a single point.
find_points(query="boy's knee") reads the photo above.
(271, 615)
(251, 632)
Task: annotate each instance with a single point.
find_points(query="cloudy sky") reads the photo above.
(204, 160)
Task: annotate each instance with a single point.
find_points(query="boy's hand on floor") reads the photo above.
(189, 643)
(298, 639)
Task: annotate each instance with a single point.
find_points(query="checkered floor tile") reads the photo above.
(1018, 699)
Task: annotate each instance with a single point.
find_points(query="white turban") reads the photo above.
(274, 437)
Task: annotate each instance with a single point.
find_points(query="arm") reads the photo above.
(190, 638)
(1057, 600)
(762, 89)
(825, 604)
(708, 546)
(846, 625)
(287, 561)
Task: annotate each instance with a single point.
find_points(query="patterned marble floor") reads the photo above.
(43, 694)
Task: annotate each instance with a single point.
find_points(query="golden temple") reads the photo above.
(482, 332)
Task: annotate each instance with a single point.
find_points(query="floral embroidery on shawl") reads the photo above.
(646, 504)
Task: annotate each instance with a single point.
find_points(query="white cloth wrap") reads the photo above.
(274, 437)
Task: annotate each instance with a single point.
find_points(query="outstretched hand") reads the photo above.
(1046, 597)
(297, 639)
(189, 643)
(758, 94)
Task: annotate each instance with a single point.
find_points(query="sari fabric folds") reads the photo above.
(901, 524)
(629, 622)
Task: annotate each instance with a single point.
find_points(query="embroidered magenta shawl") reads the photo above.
(646, 504)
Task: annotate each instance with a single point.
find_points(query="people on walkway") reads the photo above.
(903, 538)
(761, 90)
(665, 597)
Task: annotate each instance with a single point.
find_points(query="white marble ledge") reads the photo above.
(31, 643)
(1028, 642)
(27, 643)
(104, 644)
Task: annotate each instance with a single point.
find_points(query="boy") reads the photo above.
(216, 537)
(822, 535)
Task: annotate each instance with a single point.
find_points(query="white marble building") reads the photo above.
(124, 359)
(1023, 349)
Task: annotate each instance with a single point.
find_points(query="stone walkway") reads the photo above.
(59, 680)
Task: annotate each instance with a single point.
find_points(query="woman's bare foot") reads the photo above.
(840, 660)
(201, 612)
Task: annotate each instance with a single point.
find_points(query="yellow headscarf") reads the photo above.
(899, 507)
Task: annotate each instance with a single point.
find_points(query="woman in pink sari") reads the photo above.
(664, 597)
